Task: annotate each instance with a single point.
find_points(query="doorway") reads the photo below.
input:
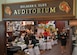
(14, 29)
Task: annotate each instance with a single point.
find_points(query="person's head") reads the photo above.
(45, 30)
(23, 35)
(28, 31)
(63, 30)
(40, 37)
(40, 33)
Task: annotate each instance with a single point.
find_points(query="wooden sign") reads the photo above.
(54, 8)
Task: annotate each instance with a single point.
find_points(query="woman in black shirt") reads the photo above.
(63, 38)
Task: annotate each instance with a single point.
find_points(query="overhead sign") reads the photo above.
(39, 8)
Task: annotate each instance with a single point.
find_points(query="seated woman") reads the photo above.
(19, 41)
(21, 38)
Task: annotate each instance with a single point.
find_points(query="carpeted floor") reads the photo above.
(56, 50)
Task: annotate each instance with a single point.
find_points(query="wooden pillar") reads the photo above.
(2, 39)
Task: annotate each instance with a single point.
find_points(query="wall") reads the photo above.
(60, 25)
(14, 1)
(1, 2)
(76, 8)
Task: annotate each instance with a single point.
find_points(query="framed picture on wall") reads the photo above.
(16, 25)
(9, 26)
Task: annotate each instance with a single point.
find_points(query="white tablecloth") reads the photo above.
(22, 45)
